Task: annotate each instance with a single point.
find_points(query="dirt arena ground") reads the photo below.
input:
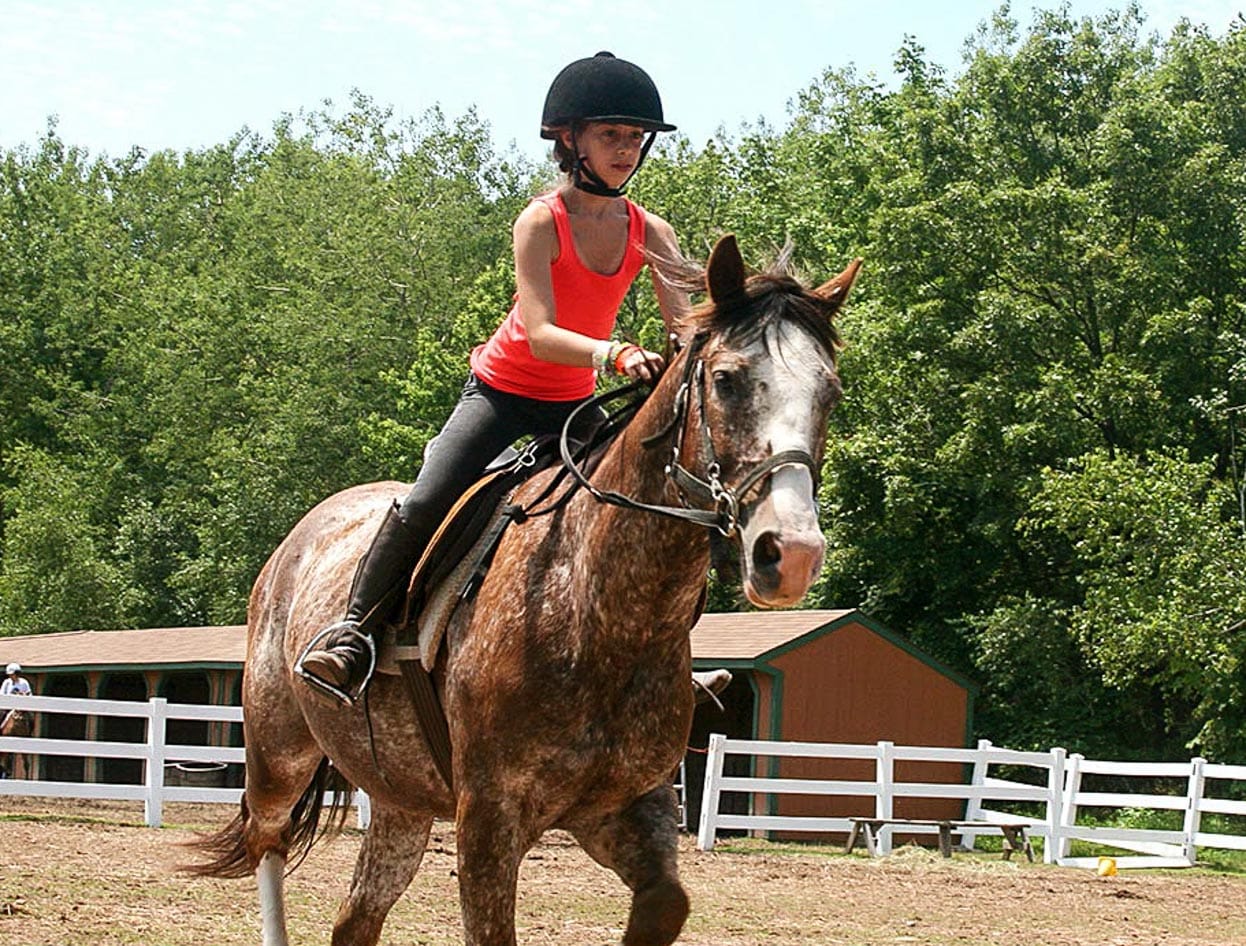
(89, 874)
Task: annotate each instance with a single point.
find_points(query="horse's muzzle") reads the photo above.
(782, 547)
(780, 568)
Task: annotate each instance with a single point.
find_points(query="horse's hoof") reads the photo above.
(658, 914)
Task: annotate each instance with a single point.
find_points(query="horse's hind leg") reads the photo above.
(270, 876)
(280, 806)
(287, 774)
(272, 794)
(640, 844)
(388, 858)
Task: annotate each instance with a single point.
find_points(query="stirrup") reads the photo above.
(347, 696)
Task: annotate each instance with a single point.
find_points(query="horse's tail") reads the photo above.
(228, 854)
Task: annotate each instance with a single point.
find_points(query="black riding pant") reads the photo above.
(484, 423)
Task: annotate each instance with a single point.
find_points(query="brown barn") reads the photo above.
(827, 676)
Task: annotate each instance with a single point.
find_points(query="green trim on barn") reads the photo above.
(191, 666)
(776, 710)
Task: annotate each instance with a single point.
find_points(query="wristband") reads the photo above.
(623, 352)
(601, 355)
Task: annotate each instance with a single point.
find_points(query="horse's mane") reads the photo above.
(776, 293)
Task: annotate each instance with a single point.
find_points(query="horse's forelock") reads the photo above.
(770, 297)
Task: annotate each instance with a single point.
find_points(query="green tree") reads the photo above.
(213, 330)
(1157, 557)
(1053, 273)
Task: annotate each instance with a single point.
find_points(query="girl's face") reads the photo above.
(610, 151)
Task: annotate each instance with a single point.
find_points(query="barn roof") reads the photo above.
(748, 635)
(753, 638)
(164, 647)
(730, 639)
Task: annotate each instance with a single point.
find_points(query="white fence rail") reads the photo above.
(1054, 792)
(1054, 789)
(159, 756)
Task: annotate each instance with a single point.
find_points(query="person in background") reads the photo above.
(577, 251)
(17, 685)
(14, 683)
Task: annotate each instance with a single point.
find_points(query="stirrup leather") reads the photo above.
(351, 695)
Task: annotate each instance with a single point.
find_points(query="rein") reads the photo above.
(723, 502)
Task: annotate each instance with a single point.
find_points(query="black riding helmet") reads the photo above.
(602, 88)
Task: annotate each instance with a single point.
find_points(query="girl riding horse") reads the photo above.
(577, 251)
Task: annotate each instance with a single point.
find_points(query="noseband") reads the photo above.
(707, 502)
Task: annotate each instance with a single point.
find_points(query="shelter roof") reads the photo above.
(99, 650)
(750, 634)
(735, 639)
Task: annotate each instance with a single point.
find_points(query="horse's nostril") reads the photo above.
(782, 567)
(766, 552)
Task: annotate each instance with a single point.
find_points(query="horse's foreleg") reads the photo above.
(640, 844)
(388, 858)
(491, 845)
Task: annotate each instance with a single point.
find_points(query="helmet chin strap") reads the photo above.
(584, 179)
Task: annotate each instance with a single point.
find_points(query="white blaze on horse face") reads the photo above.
(782, 542)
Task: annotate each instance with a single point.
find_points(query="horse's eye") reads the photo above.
(726, 385)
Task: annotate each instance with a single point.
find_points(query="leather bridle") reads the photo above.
(708, 502)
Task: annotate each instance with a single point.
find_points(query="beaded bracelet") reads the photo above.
(601, 355)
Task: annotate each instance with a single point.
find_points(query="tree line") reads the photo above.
(1036, 473)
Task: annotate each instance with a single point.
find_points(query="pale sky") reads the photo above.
(186, 74)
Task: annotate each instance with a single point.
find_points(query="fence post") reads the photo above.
(973, 806)
(710, 792)
(681, 793)
(1055, 805)
(1193, 810)
(884, 807)
(1068, 814)
(363, 809)
(153, 804)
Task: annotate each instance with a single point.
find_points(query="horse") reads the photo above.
(565, 679)
(16, 723)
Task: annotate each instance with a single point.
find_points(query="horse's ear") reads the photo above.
(725, 272)
(835, 291)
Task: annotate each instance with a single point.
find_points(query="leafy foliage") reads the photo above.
(1037, 470)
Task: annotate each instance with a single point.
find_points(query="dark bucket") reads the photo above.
(195, 774)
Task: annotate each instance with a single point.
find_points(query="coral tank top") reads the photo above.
(584, 301)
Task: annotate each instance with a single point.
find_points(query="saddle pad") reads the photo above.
(440, 602)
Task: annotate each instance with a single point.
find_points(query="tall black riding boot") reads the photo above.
(340, 659)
